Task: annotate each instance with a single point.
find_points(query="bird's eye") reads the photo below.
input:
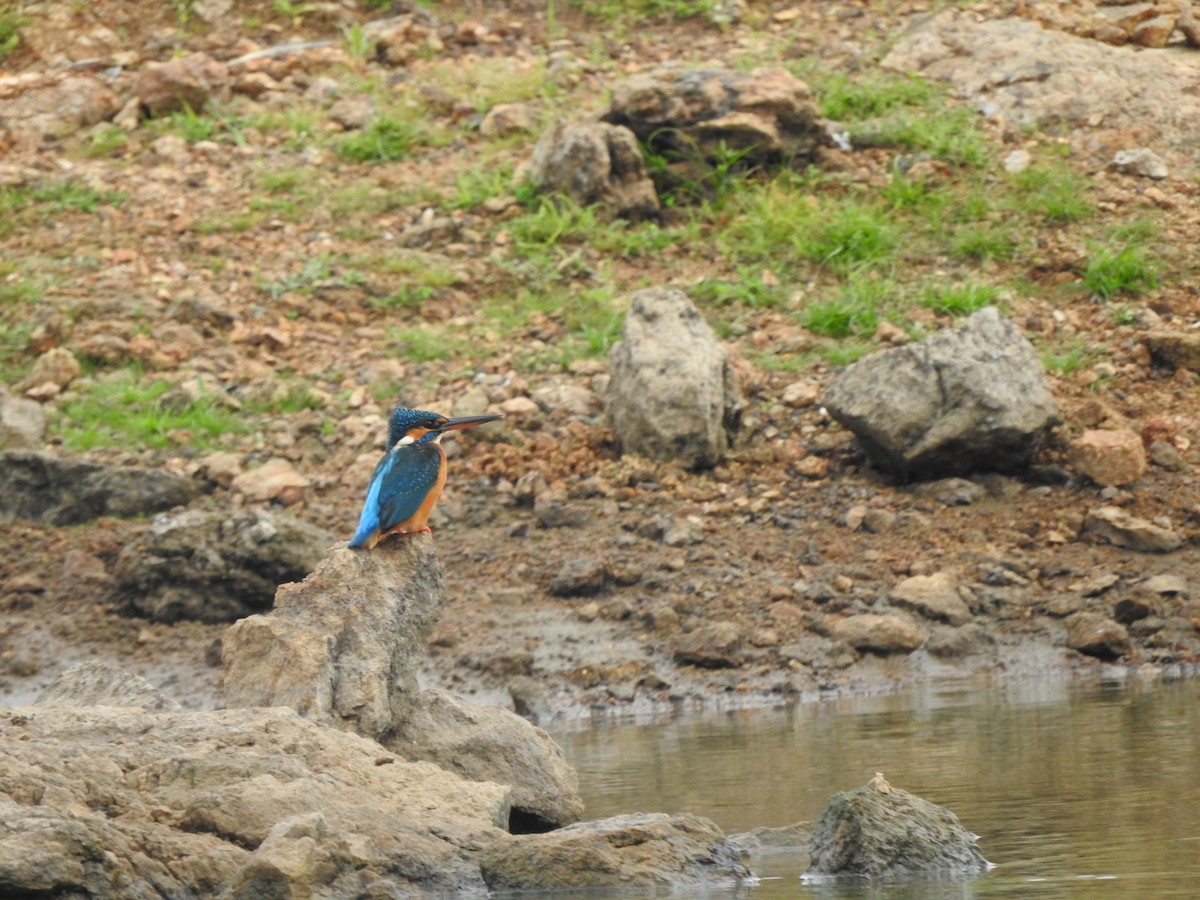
(438, 422)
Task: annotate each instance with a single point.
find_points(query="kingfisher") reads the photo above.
(409, 479)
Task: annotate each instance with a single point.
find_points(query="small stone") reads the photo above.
(1166, 456)
(506, 119)
(800, 394)
(1177, 348)
(276, 479)
(682, 533)
(1096, 584)
(1165, 585)
(933, 596)
(714, 646)
(812, 467)
(1097, 635)
(1017, 161)
(581, 577)
(519, 407)
(952, 491)
(1108, 457)
(1154, 33)
(57, 366)
(22, 422)
(1140, 161)
(221, 467)
(879, 633)
(1111, 524)
(890, 334)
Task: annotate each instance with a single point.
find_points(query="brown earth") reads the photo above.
(771, 551)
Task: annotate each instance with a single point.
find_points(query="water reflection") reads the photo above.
(1075, 791)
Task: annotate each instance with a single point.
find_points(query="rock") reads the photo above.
(1140, 161)
(102, 684)
(276, 479)
(52, 107)
(1165, 585)
(188, 81)
(1097, 635)
(492, 745)
(44, 488)
(1109, 457)
(22, 422)
(214, 566)
(1154, 33)
(1177, 348)
(819, 652)
(1187, 25)
(343, 646)
(57, 367)
(878, 830)
(715, 645)
(1166, 456)
(767, 115)
(952, 491)
(974, 397)
(581, 576)
(1017, 161)
(649, 850)
(1112, 525)
(221, 467)
(933, 596)
(235, 803)
(879, 633)
(506, 119)
(682, 532)
(594, 163)
(800, 394)
(530, 699)
(672, 394)
(1036, 75)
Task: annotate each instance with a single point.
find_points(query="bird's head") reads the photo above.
(413, 426)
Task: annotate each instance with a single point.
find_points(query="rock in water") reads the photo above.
(879, 830)
(343, 648)
(971, 398)
(672, 393)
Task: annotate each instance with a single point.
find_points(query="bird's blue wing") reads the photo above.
(399, 486)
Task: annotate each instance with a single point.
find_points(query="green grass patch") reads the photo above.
(957, 300)
(1052, 193)
(386, 138)
(1066, 360)
(856, 311)
(428, 343)
(1127, 270)
(635, 11)
(124, 409)
(11, 22)
(104, 141)
(869, 96)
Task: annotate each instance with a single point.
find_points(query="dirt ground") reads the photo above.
(736, 611)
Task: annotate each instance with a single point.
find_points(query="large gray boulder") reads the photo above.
(343, 648)
(594, 163)
(55, 491)
(767, 115)
(672, 394)
(1038, 75)
(214, 566)
(974, 397)
(879, 830)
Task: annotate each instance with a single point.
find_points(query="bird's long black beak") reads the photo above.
(459, 422)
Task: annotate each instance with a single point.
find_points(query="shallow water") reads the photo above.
(1075, 791)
